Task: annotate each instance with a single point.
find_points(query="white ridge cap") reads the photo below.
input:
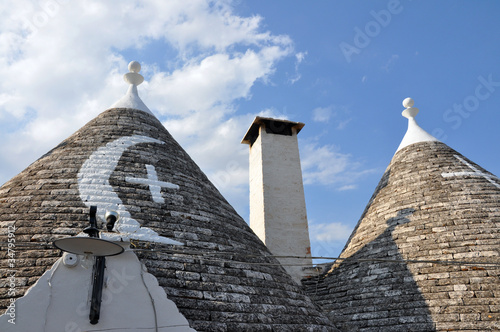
(414, 134)
(131, 98)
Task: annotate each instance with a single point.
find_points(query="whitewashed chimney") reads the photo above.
(277, 204)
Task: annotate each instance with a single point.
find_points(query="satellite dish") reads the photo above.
(88, 245)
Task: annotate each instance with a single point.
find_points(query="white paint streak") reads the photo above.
(153, 183)
(95, 189)
(475, 172)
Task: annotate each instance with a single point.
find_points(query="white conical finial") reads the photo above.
(414, 134)
(134, 77)
(410, 111)
(131, 98)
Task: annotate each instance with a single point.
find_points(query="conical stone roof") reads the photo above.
(222, 279)
(425, 254)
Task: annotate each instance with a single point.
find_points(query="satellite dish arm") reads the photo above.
(98, 271)
(98, 282)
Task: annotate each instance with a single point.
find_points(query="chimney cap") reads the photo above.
(271, 125)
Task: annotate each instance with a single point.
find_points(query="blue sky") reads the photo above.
(341, 67)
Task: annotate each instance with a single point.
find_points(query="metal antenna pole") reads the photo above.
(97, 271)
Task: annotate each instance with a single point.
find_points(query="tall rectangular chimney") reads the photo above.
(277, 204)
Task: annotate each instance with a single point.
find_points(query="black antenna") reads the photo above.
(92, 230)
(97, 271)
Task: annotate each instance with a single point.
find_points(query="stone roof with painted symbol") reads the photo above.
(425, 254)
(223, 278)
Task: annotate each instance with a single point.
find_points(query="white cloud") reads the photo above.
(330, 232)
(342, 124)
(340, 115)
(322, 114)
(327, 239)
(325, 165)
(212, 25)
(391, 62)
(299, 57)
(348, 187)
(217, 79)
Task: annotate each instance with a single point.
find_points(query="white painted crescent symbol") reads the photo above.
(95, 189)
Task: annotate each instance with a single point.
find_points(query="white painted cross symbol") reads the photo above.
(476, 172)
(154, 184)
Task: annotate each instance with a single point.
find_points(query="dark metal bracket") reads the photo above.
(97, 271)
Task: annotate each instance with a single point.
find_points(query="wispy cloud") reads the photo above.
(330, 232)
(348, 187)
(342, 124)
(323, 164)
(326, 165)
(391, 62)
(337, 115)
(299, 57)
(322, 114)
